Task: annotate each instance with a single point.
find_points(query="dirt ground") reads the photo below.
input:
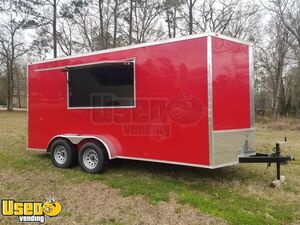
(109, 205)
(94, 203)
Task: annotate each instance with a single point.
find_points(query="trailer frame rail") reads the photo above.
(274, 157)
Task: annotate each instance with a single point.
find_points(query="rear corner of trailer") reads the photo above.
(37, 88)
(231, 119)
(29, 71)
(31, 145)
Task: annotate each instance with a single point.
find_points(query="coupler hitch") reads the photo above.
(274, 157)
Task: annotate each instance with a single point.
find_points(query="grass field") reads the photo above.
(131, 192)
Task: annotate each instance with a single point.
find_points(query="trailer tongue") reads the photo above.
(274, 157)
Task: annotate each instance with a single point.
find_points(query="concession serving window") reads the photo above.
(102, 85)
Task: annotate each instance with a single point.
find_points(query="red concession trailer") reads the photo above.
(186, 101)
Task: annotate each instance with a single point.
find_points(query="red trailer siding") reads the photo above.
(169, 122)
(193, 102)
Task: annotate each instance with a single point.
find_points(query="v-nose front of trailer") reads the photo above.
(231, 108)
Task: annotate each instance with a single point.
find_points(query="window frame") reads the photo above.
(95, 64)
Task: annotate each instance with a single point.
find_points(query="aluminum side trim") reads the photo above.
(251, 83)
(50, 68)
(164, 161)
(231, 39)
(85, 65)
(37, 149)
(226, 164)
(234, 130)
(210, 100)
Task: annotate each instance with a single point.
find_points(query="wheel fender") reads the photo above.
(111, 144)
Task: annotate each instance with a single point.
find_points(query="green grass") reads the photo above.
(109, 222)
(238, 194)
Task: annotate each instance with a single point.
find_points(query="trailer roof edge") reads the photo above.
(145, 45)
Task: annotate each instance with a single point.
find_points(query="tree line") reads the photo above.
(33, 30)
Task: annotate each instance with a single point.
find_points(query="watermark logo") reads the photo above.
(31, 211)
(152, 116)
(185, 110)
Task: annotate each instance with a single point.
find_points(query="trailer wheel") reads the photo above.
(92, 158)
(63, 153)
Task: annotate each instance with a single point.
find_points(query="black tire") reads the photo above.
(92, 158)
(63, 153)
